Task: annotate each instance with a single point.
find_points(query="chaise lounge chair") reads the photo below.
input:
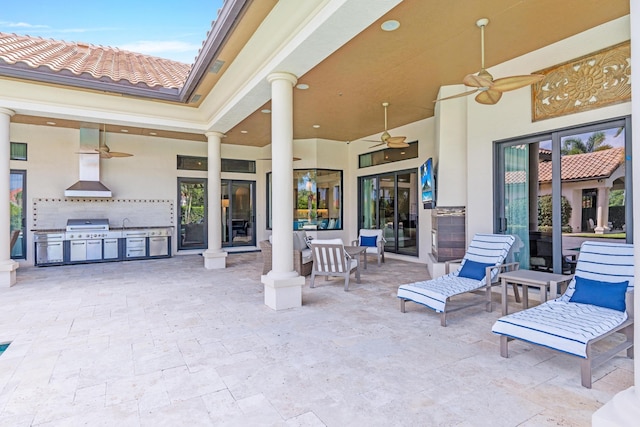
(597, 303)
(479, 271)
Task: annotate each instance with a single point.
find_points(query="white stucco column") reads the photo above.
(7, 265)
(624, 409)
(282, 285)
(214, 256)
(602, 210)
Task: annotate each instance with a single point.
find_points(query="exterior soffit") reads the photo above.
(293, 38)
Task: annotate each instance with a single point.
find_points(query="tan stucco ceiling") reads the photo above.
(437, 44)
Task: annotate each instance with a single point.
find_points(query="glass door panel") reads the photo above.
(238, 213)
(369, 191)
(407, 213)
(387, 210)
(193, 213)
(18, 219)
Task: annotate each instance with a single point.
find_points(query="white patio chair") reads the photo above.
(373, 240)
(597, 303)
(479, 270)
(330, 259)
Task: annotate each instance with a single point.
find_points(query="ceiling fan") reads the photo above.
(104, 150)
(490, 90)
(386, 138)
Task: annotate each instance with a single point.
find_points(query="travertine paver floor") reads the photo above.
(168, 343)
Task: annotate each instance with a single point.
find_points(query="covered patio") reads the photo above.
(165, 342)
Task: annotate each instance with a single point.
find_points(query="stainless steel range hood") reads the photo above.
(89, 184)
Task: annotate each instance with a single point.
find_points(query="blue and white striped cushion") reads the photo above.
(484, 248)
(434, 293)
(569, 326)
(604, 262)
(560, 325)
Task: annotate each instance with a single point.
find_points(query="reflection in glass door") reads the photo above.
(192, 193)
(17, 198)
(389, 202)
(238, 215)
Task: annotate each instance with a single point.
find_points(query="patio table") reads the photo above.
(531, 278)
(355, 252)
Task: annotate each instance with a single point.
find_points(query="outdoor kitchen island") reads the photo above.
(92, 240)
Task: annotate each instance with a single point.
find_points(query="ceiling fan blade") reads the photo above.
(396, 140)
(402, 144)
(458, 95)
(489, 97)
(118, 154)
(516, 82)
(377, 145)
(478, 80)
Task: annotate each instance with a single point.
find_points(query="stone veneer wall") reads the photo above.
(448, 233)
(54, 213)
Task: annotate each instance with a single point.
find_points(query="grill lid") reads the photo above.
(87, 224)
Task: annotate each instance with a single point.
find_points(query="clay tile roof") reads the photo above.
(581, 167)
(98, 61)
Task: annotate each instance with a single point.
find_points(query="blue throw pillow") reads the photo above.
(474, 270)
(603, 294)
(369, 241)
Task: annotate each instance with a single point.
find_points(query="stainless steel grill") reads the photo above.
(83, 229)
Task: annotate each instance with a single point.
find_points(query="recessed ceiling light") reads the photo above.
(51, 123)
(390, 25)
(153, 133)
(316, 126)
(244, 131)
(266, 111)
(124, 130)
(302, 86)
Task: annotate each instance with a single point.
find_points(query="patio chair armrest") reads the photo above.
(509, 266)
(447, 264)
(355, 242)
(629, 302)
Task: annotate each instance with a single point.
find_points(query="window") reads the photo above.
(227, 165)
(317, 199)
(18, 151)
(388, 155)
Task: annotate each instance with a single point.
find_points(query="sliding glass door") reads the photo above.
(556, 190)
(390, 202)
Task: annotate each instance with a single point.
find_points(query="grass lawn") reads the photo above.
(597, 236)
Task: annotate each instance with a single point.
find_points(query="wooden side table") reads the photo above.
(531, 278)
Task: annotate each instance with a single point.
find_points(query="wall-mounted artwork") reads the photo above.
(592, 81)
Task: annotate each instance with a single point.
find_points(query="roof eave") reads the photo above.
(45, 75)
(228, 17)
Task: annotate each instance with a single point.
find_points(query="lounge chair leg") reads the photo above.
(402, 305)
(504, 346)
(585, 372)
(628, 333)
(313, 278)
(346, 283)
(443, 319)
(489, 300)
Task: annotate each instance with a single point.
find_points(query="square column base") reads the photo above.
(8, 273)
(621, 411)
(214, 260)
(282, 293)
